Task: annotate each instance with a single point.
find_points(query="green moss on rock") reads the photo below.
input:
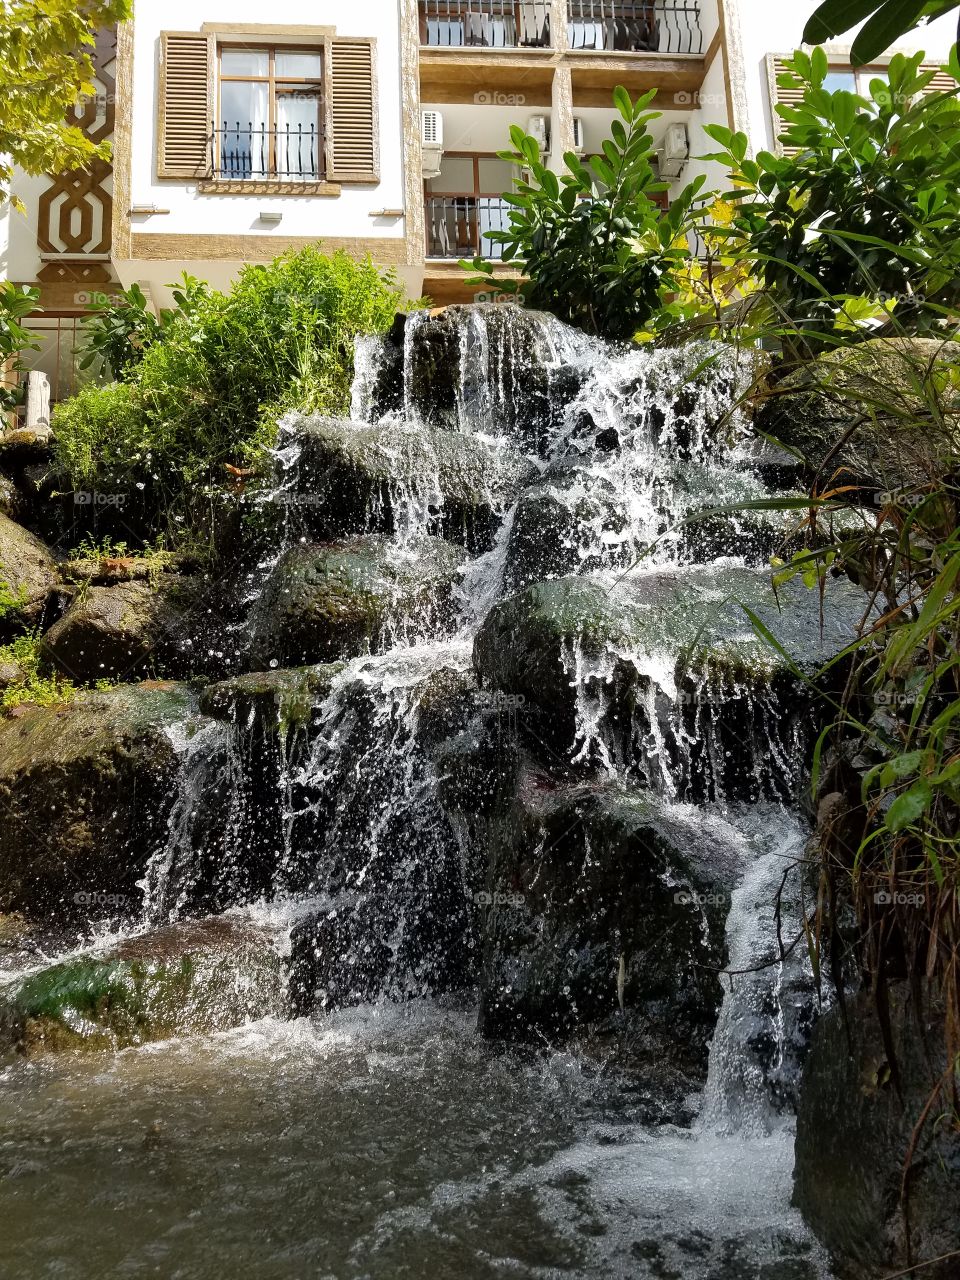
(190, 978)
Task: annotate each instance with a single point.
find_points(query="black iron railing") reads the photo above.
(291, 152)
(496, 24)
(644, 26)
(459, 226)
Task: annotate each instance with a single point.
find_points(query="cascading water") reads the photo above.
(368, 802)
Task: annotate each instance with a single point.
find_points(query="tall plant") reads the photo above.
(864, 202)
(592, 244)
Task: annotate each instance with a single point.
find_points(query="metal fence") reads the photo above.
(496, 24)
(255, 151)
(459, 226)
(654, 26)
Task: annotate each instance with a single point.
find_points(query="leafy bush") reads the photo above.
(211, 383)
(100, 431)
(604, 260)
(866, 206)
(16, 303)
(119, 331)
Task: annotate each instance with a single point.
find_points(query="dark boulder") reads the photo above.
(191, 978)
(335, 601)
(84, 790)
(605, 903)
(855, 1131)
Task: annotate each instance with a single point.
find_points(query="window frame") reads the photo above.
(271, 80)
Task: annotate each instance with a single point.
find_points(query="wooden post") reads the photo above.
(37, 408)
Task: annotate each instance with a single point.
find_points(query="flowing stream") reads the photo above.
(375, 1132)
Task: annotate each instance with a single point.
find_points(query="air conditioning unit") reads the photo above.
(431, 136)
(674, 152)
(537, 127)
(578, 143)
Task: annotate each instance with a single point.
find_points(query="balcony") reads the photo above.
(485, 24)
(506, 51)
(459, 226)
(645, 26)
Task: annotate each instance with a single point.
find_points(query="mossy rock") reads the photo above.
(345, 479)
(907, 390)
(856, 1125)
(191, 978)
(84, 790)
(27, 574)
(164, 626)
(284, 696)
(328, 602)
(582, 876)
(673, 655)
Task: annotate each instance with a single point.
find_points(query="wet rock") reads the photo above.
(499, 368)
(191, 978)
(584, 879)
(854, 1133)
(165, 626)
(27, 574)
(339, 600)
(13, 504)
(663, 674)
(25, 446)
(83, 791)
(344, 479)
(906, 389)
(284, 696)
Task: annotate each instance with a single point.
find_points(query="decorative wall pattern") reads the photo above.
(75, 211)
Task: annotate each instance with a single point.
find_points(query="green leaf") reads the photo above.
(836, 16)
(892, 20)
(909, 807)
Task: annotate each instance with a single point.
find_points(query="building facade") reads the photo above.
(373, 128)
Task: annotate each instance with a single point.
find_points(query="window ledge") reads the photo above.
(265, 187)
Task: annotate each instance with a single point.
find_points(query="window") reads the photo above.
(853, 81)
(465, 203)
(261, 110)
(269, 121)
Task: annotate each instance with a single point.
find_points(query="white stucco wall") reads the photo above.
(191, 213)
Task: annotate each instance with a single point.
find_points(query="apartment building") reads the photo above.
(372, 127)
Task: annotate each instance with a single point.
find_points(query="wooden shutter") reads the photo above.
(354, 143)
(776, 67)
(941, 82)
(185, 108)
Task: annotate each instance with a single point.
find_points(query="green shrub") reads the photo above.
(594, 247)
(866, 205)
(31, 687)
(100, 430)
(211, 384)
(16, 303)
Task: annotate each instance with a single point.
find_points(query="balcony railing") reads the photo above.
(459, 226)
(249, 151)
(655, 26)
(495, 24)
(610, 26)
